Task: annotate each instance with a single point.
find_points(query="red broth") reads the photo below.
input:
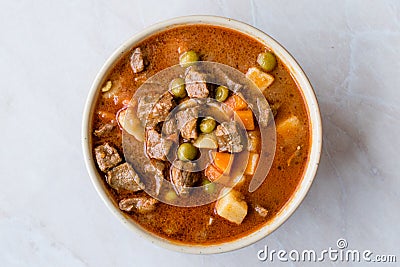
(190, 225)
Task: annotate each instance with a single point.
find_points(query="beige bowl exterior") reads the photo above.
(313, 111)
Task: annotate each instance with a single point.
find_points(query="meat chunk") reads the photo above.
(189, 130)
(145, 105)
(142, 204)
(156, 169)
(229, 137)
(264, 113)
(107, 157)
(153, 109)
(186, 121)
(196, 86)
(160, 110)
(124, 177)
(137, 63)
(182, 177)
(169, 127)
(155, 147)
(104, 130)
(226, 79)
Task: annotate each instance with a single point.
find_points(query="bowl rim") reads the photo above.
(313, 113)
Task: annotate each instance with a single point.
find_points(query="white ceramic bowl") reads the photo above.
(313, 111)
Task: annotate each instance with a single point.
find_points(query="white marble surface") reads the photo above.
(50, 214)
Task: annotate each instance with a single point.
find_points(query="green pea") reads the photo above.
(177, 88)
(221, 94)
(208, 186)
(207, 125)
(188, 58)
(170, 196)
(267, 61)
(186, 152)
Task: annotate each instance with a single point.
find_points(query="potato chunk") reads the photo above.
(232, 207)
(206, 141)
(130, 123)
(259, 78)
(288, 126)
(292, 131)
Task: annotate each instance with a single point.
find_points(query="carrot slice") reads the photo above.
(212, 173)
(222, 161)
(252, 163)
(236, 102)
(247, 118)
